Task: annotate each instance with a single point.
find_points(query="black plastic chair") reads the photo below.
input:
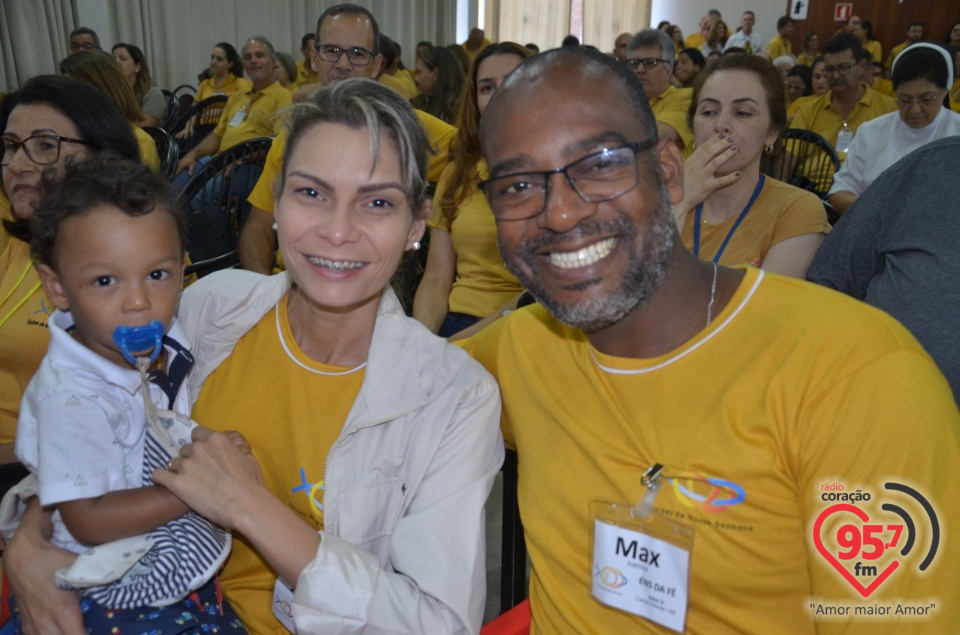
(173, 109)
(809, 162)
(215, 199)
(185, 94)
(166, 148)
(207, 113)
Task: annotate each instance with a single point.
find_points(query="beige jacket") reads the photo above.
(406, 481)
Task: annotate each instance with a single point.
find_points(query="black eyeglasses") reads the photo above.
(42, 149)
(356, 56)
(648, 63)
(841, 70)
(83, 46)
(599, 177)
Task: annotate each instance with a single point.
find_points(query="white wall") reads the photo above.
(687, 14)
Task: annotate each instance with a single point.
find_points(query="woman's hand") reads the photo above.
(216, 476)
(29, 563)
(700, 178)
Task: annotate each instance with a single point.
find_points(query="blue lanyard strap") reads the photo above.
(699, 215)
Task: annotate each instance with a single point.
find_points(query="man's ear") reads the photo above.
(671, 161)
(53, 287)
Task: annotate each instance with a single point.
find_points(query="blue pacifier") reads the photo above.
(138, 339)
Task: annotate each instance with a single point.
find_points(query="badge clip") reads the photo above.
(652, 479)
(140, 339)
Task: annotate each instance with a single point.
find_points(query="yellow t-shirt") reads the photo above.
(394, 83)
(671, 107)
(780, 212)
(291, 409)
(791, 386)
(806, 58)
(304, 76)
(778, 46)
(6, 213)
(955, 105)
(232, 84)
(248, 115)
(408, 78)
(885, 87)
(694, 41)
(875, 49)
(820, 117)
(24, 311)
(795, 106)
(897, 50)
(482, 284)
(148, 149)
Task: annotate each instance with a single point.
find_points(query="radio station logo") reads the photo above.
(867, 549)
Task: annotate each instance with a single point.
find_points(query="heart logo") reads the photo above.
(829, 557)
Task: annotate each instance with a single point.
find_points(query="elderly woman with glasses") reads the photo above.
(731, 213)
(921, 77)
(48, 121)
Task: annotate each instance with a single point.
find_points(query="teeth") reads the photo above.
(584, 257)
(337, 265)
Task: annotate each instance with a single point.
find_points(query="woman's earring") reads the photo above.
(274, 227)
(416, 245)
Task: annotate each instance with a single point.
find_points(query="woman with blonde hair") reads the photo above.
(99, 69)
(465, 278)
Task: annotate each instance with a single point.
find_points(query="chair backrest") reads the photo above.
(205, 115)
(215, 200)
(166, 148)
(185, 97)
(809, 162)
(173, 109)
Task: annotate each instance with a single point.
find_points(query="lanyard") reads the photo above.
(16, 285)
(743, 214)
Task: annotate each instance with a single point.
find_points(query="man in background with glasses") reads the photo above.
(653, 397)
(651, 54)
(347, 45)
(836, 115)
(83, 39)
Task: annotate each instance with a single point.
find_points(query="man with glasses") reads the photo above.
(850, 102)
(744, 392)
(651, 54)
(248, 114)
(347, 45)
(83, 39)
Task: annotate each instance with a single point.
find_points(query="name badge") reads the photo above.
(844, 139)
(283, 605)
(238, 118)
(641, 566)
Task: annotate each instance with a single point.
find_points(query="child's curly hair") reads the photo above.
(78, 187)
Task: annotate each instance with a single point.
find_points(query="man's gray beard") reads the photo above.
(645, 272)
